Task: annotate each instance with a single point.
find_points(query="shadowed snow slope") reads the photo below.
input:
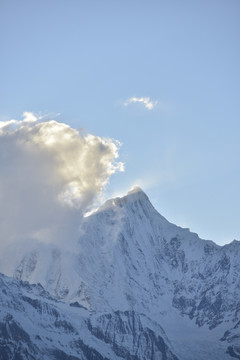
(33, 325)
(130, 260)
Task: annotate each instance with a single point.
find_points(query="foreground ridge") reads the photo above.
(33, 325)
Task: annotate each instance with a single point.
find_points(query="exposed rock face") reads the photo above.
(148, 289)
(130, 337)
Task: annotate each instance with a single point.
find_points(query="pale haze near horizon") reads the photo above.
(95, 63)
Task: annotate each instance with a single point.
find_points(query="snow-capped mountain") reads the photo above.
(145, 289)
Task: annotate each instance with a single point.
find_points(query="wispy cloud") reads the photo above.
(146, 101)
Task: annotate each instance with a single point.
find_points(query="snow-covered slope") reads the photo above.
(130, 259)
(33, 325)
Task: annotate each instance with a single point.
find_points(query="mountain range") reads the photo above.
(132, 286)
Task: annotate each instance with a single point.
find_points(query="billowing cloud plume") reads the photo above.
(146, 101)
(50, 174)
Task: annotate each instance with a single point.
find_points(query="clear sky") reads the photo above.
(85, 59)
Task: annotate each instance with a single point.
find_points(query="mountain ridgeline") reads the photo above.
(134, 286)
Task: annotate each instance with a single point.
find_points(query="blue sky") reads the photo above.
(84, 59)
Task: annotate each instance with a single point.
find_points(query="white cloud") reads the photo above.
(50, 174)
(5, 124)
(29, 117)
(146, 101)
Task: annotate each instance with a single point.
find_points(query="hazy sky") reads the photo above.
(162, 77)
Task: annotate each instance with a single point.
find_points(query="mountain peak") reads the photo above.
(136, 193)
(133, 195)
(135, 189)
